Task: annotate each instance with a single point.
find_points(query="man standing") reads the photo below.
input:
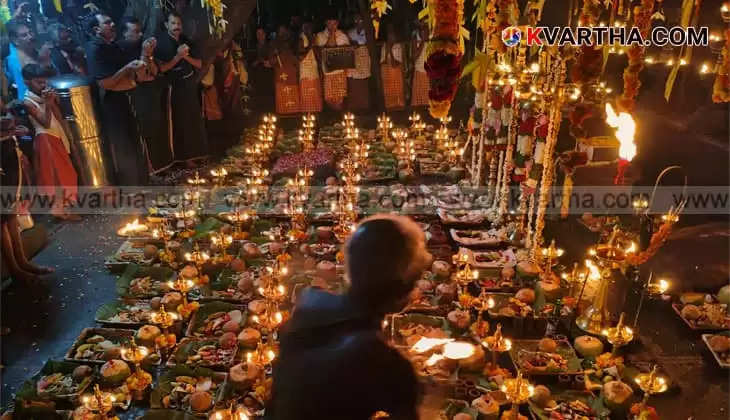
(358, 79)
(149, 97)
(180, 64)
(333, 361)
(335, 81)
(67, 56)
(23, 52)
(115, 74)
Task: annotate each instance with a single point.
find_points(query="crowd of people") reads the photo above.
(296, 59)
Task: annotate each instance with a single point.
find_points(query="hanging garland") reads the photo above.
(378, 8)
(215, 11)
(635, 54)
(524, 149)
(721, 87)
(445, 50)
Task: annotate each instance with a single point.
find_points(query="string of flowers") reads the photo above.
(508, 162)
(445, 50)
(635, 53)
(378, 8)
(530, 212)
(215, 10)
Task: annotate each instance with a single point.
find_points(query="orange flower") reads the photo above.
(165, 341)
(283, 258)
(204, 279)
(340, 257)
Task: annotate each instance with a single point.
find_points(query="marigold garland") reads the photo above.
(635, 54)
(443, 63)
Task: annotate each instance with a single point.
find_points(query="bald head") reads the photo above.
(385, 256)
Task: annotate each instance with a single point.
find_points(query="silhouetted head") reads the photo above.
(385, 256)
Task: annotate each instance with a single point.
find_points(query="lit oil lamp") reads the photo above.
(384, 126)
(238, 412)
(262, 356)
(575, 280)
(618, 336)
(197, 257)
(464, 275)
(222, 242)
(650, 383)
(550, 254)
(99, 402)
(417, 124)
(497, 344)
(139, 380)
(132, 228)
(197, 180)
(482, 303)
(219, 175)
(163, 318)
(517, 390)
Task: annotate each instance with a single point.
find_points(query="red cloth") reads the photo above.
(393, 86)
(55, 174)
(419, 92)
(335, 89)
(311, 94)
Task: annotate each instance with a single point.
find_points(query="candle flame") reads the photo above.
(625, 130)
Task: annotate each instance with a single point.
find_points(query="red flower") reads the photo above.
(441, 64)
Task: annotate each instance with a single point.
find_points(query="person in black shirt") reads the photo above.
(115, 74)
(178, 61)
(333, 362)
(150, 95)
(66, 55)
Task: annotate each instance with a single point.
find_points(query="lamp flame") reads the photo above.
(625, 129)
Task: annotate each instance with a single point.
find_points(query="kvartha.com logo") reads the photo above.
(605, 35)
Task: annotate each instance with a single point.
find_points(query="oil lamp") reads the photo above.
(163, 318)
(197, 257)
(549, 254)
(618, 336)
(139, 380)
(517, 390)
(234, 412)
(496, 343)
(222, 241)
(99, 402)
(417, 124)
(262, 356)
(464, 273)
(482, 303)
(650, 383)
(384, 126)
(132, 228)
(219, 175)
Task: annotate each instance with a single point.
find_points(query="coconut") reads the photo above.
(425, 285)
(441, 269)
(245, 284)
(228, 340)
(238, 265)
(527, 270)
(146, 335)
(232, 326)
(446, 292)
(114, 372)
(550, 289)
(201, 401)
(588, 346)
(251, 250)
(172, 300)
(327, 270)
(249, 337)
(324, 232)
(691, 312)
(275, 248)
(547, 345)
(155, 303)
(82, 372)
(508, 272)
(541, 396)
(256, 306)
(150, 251)
(238, 376)
(526, 296)
(617, 395)
(189, 272)
(723, 295)
(236, 316)
(459, 319)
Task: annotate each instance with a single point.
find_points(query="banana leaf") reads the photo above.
(202, 230)
(159, 275)
(109, 309)
(595, 403)
(454, 407)
(210, 308)
(164, 383)
(28, 390)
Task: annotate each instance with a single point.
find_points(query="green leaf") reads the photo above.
(108, 310)
(202, 230)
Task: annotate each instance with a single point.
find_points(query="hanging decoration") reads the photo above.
(215, 8)
(378, 8)
(721, 87)
(445, 50)
(635, 54)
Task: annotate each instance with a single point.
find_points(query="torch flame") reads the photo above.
(625, 130)
(435, 358)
